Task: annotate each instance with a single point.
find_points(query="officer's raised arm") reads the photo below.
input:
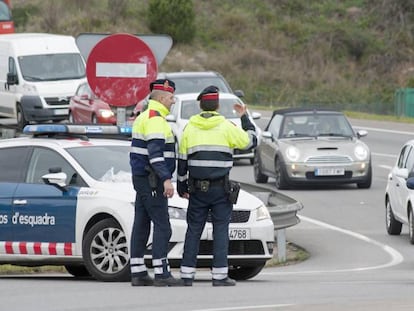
(246, 124)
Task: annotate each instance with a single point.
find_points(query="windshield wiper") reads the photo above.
(335, 134)
(30, 78)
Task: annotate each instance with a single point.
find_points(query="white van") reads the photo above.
(38, 75)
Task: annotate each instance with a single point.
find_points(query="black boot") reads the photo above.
(224, 282)
(142, 281)
(169, 281)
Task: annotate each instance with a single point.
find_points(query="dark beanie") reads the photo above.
(209, 98)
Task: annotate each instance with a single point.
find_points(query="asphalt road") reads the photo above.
(354, 263)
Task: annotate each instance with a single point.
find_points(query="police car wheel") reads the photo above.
(241, 273)
(105, 252)
(78, 271)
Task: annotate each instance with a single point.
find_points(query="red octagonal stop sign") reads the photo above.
(120, 68)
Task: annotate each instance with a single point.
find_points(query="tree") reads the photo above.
(173, 17)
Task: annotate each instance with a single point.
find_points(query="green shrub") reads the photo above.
(172, 17)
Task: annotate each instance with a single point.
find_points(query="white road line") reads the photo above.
(384, 155)
(387, 167)
(247, 307)
(384, 130)
(396, 257)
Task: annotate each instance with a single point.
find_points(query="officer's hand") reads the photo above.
(168, 188)
(240, 109)
(185, 195)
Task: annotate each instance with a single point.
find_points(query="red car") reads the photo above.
(85, 107)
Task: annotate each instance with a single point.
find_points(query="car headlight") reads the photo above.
(177, 213)
(262, 213)
(105, 113)
(29, 89)
(361, 153)
(292, 153)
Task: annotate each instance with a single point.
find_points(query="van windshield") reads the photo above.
(52, 67)
(5, 14)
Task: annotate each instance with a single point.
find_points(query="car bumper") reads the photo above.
(304, 173)
(257, 249)
(243, 154)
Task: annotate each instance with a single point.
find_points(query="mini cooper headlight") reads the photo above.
(361, 153)
(262, 213)
(292, 153)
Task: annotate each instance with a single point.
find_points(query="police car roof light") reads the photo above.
(77, 129)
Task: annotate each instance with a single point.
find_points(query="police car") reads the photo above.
(66, 198)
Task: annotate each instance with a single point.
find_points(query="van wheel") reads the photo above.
(21, 120)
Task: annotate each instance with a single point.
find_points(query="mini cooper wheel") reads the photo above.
(280, 176)
(366, 184)
(393, 226)
(259, 177)
(105, 252)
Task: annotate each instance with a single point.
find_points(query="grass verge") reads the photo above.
(294, 254)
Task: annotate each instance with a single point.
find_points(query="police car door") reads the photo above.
(45, 213)
(12, 163)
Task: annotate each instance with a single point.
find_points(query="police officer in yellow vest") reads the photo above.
(152, 160)
(204, 163)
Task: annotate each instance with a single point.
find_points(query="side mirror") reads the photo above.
(256, 115)
(12, 78)
(170, 118)
(402, 173)
(361, 133)
(267, 135)
(55, 179)
(239, 93)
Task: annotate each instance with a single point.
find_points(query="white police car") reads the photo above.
(66, 198)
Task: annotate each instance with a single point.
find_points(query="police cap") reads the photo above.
(163, 85)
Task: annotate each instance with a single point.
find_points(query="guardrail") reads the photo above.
(283, 211)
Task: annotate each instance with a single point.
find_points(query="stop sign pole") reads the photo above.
(119, 70)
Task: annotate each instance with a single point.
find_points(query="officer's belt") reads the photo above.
(207, 183)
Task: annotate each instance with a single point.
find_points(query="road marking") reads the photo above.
(384, 130)
(387, 167)
(255, 307)
(396, 257)
(384, 155)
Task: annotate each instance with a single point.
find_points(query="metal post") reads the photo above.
(281, 244)
(120, 116)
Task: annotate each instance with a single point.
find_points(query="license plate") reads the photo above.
(61, 112)
(234, 234)
(329, 171)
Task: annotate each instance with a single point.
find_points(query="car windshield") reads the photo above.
(197, 84)
(311, 125)
(112, 164)
(52, 67)
(192, 107)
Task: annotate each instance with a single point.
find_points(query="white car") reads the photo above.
(399, 193)
(187, 105)
(66, 198)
